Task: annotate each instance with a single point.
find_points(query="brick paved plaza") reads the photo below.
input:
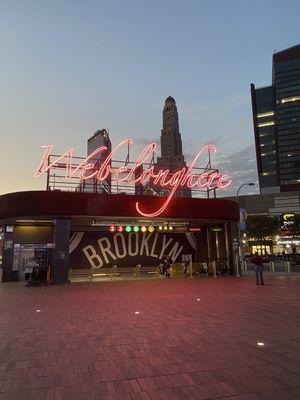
(191, 339)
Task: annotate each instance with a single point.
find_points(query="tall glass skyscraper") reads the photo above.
(276, 119)
(99, 138)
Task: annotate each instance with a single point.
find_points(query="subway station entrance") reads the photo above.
(138, 249)
(86, 235)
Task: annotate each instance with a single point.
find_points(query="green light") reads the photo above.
(128, 228)
(217, 229)
(136, 228)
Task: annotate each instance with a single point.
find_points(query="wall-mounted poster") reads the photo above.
(16, 257)
(105, 249)
(8, 244)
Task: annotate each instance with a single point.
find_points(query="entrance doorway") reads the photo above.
(27, 253)
(262, 250)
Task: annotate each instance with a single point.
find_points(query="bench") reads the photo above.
(102, 272)
(79, 274)
(154, 270)
(113, 272)
(177, 270)
(88, 274)
(134, 272)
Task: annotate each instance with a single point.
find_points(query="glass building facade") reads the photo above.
(276, 119)
(99, 138)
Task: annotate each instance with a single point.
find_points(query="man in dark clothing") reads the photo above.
(258, 268)
(166, 266)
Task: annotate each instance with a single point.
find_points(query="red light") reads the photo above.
(120, 228)
(112, 228)
(285, 232)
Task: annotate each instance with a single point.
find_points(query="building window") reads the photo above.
(261, 250)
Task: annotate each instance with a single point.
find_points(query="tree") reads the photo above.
(261, 226)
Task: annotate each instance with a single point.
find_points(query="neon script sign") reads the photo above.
(185, 177)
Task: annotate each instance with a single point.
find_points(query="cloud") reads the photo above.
(215, 110)
(241, 166)
(193, 148)
(144, 141)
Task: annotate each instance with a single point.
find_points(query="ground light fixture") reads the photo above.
(136, 312)
(37, 310)
(198, 299)
(260, 344)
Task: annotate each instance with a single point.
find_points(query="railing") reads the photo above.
(273, 266)
(214, 267)
(59, 180)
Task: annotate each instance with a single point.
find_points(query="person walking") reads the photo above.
(166, 266)
(258, 268)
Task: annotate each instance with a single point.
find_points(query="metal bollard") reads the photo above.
(237, 266)
(191, 269)
(214, 269)
(272, 266)
(245, 266)
(288, 267)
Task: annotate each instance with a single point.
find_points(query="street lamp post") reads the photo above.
(241, 252)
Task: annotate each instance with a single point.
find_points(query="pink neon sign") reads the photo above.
(184, 177)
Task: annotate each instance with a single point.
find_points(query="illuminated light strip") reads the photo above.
(266, 124)
(266, 114)
(29, 221)
(181, 178)
(289, 99)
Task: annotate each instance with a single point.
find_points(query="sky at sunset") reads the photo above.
(71, 67)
